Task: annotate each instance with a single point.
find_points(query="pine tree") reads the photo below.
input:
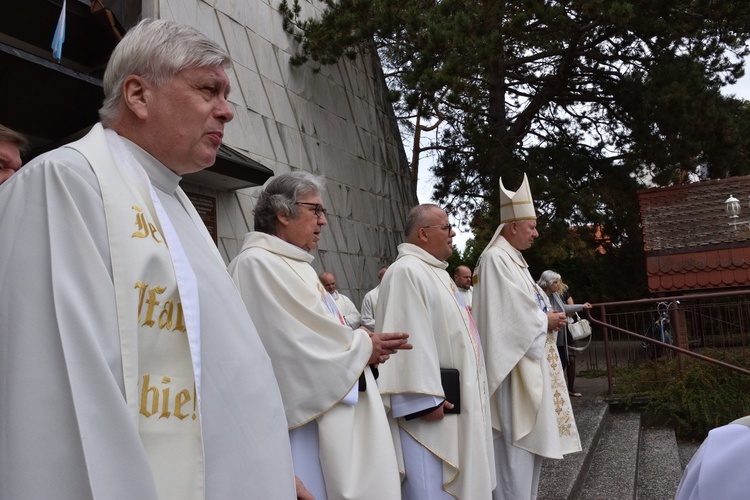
(590, 98)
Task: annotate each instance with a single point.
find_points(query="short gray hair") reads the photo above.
(547, 278)
(156, 50)
(418, 217)
(280, 196)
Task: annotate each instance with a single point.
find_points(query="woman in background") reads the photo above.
(553, 286)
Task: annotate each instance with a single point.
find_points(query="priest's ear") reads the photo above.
(135, 95)
(284, 219)
(422, 234)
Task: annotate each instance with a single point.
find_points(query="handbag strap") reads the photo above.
(578, 318)
(581, 348)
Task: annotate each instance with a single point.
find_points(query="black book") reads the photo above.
(451, 381)
(452, 388)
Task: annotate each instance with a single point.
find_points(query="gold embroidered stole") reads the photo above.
(161, 377)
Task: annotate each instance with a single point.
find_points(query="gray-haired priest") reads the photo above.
(529, 396)
(129, 367)
(437, 392)
(341, 444)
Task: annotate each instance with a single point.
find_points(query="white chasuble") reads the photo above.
(417, 296)
(347, 309)
(167, 382)
(509, 311)
(718, 470)
(107, 340)
(318, 360)
(369, 302)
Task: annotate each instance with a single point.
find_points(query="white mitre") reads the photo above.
(518, 205)
(513, 206)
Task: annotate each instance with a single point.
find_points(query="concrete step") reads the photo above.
(659, 469)
(562, 479)
(619, 458)
(614, 465)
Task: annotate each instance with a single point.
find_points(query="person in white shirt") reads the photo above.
(338, 429)
(446, 436)
(718, 470)
(344, 303)
(531, 411)
(370, 301)
(130, 367)
(462, 279)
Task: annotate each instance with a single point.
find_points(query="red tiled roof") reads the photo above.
(698, 270)
(688, 242)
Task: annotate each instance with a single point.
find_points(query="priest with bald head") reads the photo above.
(436, 393)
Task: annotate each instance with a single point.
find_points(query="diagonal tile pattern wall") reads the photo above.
(335, 123)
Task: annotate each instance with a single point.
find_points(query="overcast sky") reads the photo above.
(426, 179)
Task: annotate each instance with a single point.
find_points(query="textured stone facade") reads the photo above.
(335, 123)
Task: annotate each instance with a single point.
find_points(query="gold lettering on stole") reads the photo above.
(150, 399)
(141, 286)
(165, 399)
(145, 391)
(181, 399)
(167, 318)
(145, 228)
(180, 324)
(151, 301)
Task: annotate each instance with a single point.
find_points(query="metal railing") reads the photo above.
(634, 331)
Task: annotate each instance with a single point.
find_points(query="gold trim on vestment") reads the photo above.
(513, 219)
(356, 381)
(563, 408)
(458, 471)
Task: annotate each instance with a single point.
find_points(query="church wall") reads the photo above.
(335, 123)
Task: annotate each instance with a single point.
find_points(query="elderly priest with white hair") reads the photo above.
(129, 367)
(341, 446)
(531, 412)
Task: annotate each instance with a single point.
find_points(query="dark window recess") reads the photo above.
(53, 102)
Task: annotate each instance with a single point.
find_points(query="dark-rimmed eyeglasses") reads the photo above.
(316, 208)
(446, 227)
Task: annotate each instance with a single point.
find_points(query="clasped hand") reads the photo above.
(555, 320)
(385, 344)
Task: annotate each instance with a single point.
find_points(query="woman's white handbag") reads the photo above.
(580, 329)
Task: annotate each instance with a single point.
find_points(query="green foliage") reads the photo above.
(454, 261)
(590, 98)
(468, 257)
(706, 397)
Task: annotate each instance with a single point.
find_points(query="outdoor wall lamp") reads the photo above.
(732, 207)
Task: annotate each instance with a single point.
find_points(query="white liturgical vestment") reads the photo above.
(466, 295)
(369, 302)
(86, 410)
(417, 296)
(347, 309)
(529, 397)
(318, 359)
(718, 470)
